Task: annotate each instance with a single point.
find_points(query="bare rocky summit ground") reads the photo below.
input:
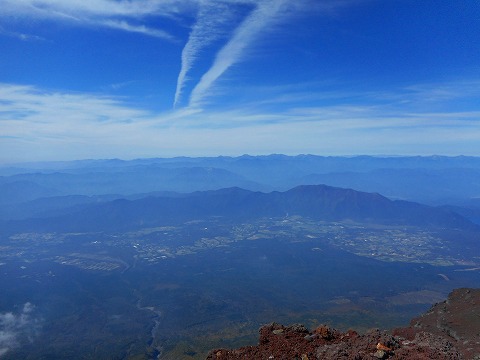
(449, 330)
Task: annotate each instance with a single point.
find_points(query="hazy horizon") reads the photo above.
(132, 159)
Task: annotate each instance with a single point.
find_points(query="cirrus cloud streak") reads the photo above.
(41, 125)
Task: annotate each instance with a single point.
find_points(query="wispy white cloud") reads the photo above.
(50, 110)
(141, 29)
(264, 16)
(120, 85)
(16, 328)
(441, 92)
(38, 125)
(211, 21)
(123, 15)
(43, 123)
(265, 13)
(93, 8)
(20, 35)
(214, 20)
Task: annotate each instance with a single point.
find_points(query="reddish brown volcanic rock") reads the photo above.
(457, 319)
(449, 330)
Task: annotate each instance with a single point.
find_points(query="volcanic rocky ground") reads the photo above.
(449, 330)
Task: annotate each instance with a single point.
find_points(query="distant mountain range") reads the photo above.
(435, 180)
(319, 202)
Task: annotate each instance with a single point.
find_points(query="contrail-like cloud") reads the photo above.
(210, 26)
(260, 18)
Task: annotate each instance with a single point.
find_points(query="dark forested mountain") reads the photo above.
(436, 186)
(318, 202)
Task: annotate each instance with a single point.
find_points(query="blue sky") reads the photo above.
(160, 78)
